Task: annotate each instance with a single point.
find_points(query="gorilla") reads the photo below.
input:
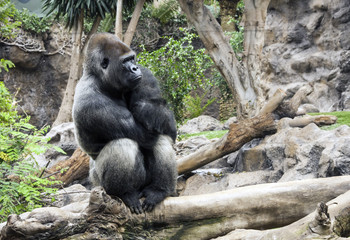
(124, 125)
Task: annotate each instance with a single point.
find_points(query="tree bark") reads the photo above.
(75, 168)
(65, 112)
(129, 34)
(221, 52)
(76, 69)
(244, 82)
(119, 20)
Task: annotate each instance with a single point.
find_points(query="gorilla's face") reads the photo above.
(112, 62)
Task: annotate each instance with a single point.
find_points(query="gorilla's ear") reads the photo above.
(104, 63)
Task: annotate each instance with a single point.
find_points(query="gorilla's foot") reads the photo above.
(132, 201)
(153, 197)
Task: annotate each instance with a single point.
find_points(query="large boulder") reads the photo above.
(201, 124)
(299, 153)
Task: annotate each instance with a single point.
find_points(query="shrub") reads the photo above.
(31, 22)
(179, 68)
(21, 188)
(7, 24)
(194, 104)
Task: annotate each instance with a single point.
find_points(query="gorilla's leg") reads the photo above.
(161, 171)
(119, 168)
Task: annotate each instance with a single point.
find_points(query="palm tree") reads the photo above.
(75, 12)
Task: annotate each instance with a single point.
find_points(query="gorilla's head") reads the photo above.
(111, 62)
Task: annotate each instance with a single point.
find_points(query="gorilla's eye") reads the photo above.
(104, 63)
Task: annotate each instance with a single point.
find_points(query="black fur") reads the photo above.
(123, 123)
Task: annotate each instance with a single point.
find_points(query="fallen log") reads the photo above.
(243, 132)
(75, 168)
(205, 216)
(328, 221)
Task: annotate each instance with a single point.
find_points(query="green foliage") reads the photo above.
(7, 24)
(20, 187)
(194, 104)
(73, 9)
(6, 64)
(31, 22)
(107, 23)
(179, 68)
(343, 119)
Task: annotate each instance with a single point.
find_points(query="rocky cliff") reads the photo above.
(41, 73)
(307, 42)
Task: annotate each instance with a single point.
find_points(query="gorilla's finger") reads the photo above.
(148, 207)
(136, 209)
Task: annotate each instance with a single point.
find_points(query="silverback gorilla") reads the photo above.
(124, 125)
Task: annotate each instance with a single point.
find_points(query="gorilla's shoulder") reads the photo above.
(148, 77)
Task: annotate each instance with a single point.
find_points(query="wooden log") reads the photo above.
(75, 168)
(323, 223)
(206, 216)
(239, 134)
(258, 206)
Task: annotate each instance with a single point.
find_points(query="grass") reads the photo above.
(343, 119)
(207, 134)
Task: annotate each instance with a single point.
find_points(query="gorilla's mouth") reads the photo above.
(136, 79)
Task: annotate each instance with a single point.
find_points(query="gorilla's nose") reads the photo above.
(135, 68)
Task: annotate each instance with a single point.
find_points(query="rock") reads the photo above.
(201, 124)
(307, 108)
(208, 183)
(309, 45)
(62, 136)
(299, 153)
(229, 122)
(39, 78)
(190, 145)
(73, 194)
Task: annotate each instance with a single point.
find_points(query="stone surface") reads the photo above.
(299, 153)
(62, 136)
(39, 78)
(309, 44)
(201, 124)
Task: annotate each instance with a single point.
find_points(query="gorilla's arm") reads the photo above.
(104, 119)
(149, 108)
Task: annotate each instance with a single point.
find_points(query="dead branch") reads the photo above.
(248, 129)
(75, 168)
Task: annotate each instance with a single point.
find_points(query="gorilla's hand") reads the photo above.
(155, 117)
(152, 198)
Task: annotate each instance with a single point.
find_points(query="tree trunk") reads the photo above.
(221, 52)
(76, 68)
(238, 135)
(119, 20)
(129, 34)
(65, 112)
(254, 23)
